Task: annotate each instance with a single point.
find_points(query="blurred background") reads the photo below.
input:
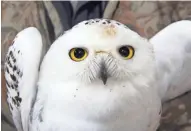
(53, 18)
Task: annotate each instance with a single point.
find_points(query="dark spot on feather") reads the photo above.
(7, 83)
(14, 60)
(18, 99)
(7, 86)
(12, 87)
(13, 77)
(9, 63)
(74, 95)
(8, 58)
(17, 93)
(16, 86)
(87, 23)
(14, 101)
(10, 53)
(104, 22)
(14, 68)
(40, 114)
(108, 21)
(11, 107)
(76, 89)
(21, 74)
(7, 70)
(18, 51)
(12, 56)
(18, 72)
(118, 23)
(40, 118)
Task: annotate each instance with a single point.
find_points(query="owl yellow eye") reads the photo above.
(126, 51)
(78, 54)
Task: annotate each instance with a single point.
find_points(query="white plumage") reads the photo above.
(98, 76)
(172, 47)
(21, 73)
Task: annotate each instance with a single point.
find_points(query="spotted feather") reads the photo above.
(21, 74)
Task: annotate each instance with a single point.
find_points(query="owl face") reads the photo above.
(98, 51)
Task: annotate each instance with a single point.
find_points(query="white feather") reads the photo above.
(172, 47)
(26, 51)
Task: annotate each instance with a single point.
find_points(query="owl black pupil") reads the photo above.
(79, 53)
(124, 51)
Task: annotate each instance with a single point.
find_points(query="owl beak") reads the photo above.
(103, 73)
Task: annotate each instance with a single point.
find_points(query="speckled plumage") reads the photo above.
(21, 74)
(69, 95)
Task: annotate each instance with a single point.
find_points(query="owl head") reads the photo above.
(98, 50)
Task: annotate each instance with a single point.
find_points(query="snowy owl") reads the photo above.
(97, 76)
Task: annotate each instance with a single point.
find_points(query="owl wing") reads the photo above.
(21, 74)
(172, 47)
